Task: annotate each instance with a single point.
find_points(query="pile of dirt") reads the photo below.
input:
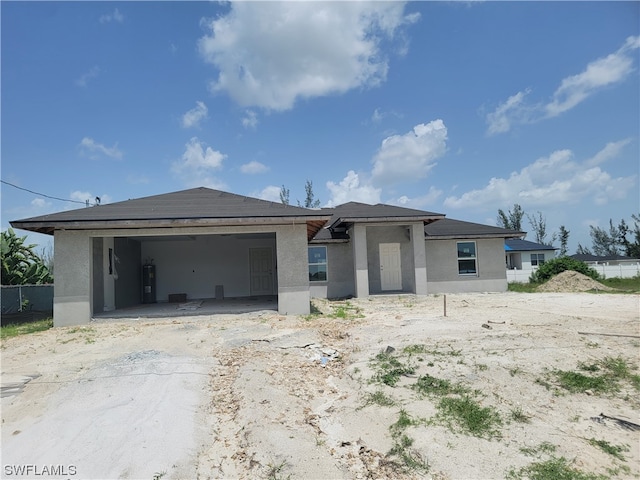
(571, 281)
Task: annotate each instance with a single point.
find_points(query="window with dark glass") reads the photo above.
(317, 264)
(467, 264)
(537, 259)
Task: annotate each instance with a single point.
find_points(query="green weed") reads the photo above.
(13, 330)
(552, 469)
(379, 398)
(468, 415)
(390, 369)
(613, 450)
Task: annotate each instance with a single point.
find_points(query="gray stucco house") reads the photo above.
(210, 244)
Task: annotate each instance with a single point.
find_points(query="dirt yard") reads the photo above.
(503, 386)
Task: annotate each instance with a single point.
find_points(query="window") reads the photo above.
(467, 258)
(317, 264)
(537, 259)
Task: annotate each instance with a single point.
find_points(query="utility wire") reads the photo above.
(42, 194)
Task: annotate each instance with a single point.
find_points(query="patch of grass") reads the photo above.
(544, 447)
(428, 385)
(409, 458)
(606, 375)
(553, 469)
(627, 285)
(523, 287)
(379, 398)
(517, 415)
(415, 349)
(389, 369)
(613, 450)
(468, 415)
(346, 311)
(13, 330)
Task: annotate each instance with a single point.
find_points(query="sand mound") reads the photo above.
(571, 281)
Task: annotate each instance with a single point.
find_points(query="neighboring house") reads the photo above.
(524, 255)
(605, 260)
(211, 244)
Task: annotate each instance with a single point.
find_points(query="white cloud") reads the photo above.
(611, 150)
(94, 150)
(603, 72)
(600, 73)
(350, 190)
(270, 193)
(270, 54)
(83, 80)
(250, 119)
(80, 196)
(197, 164)
(194, 116)
(549, 181)
(410, 156)
(253, 167)
(114, 16)
(512, 110)
(430, 198)
(40, 204)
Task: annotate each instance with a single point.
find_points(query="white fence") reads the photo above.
(607, 271)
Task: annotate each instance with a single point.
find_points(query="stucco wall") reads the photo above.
(442, 267)
(293, 270)
(72, 292)
(340, 273)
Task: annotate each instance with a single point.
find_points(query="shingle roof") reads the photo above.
(200, 206)
(450, 228)
(361, 212)
(519, 245)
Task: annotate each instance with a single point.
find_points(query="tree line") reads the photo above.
(620, 239)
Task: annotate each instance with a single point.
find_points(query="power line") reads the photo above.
(42, 194)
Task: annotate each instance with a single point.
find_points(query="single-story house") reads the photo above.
(203, 243)
(590, 259)
(525, 255)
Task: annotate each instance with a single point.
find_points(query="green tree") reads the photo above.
(284, 195)
(310, 201)
(20, 264)
(511, 220)
(564, 240)
(539, 226)
(605, 243)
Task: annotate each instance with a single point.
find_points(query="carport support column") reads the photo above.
(293, 270)
(361, 266)
(419, 258)
(72, 287)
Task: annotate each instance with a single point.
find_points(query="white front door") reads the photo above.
(261, 264)
(390, 270)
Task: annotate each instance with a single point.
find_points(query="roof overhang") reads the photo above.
(314, 224)
(397, 220)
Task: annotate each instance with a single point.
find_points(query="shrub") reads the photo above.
(559, 265)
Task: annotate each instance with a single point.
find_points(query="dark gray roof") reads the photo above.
(201, 206)
(351, 212)
(450, 228)
(583, 257)
(519, 245)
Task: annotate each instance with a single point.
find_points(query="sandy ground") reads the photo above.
(261, 395)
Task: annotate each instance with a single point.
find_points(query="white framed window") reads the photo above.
(467, 260)
(537, 259)
(317, 264)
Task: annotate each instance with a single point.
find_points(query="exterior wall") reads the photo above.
(293, 270)
(442, 267)
(524, 262)
(72, 291)
(340, 272)
(391, 234)
(196, 265)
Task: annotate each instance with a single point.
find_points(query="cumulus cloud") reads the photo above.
(350, 189)
(270, 193)
(83, 80)
(419, 202)
(599, 74)
(94, 150)
(610, 151)
(549, 181)
(270, 54)
(114, 16)
(197, 164)
(253, 168)
(410, 156)
(194, 116)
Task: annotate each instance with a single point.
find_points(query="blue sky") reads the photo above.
(455, 108)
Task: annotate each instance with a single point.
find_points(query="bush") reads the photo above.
(559, 265)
